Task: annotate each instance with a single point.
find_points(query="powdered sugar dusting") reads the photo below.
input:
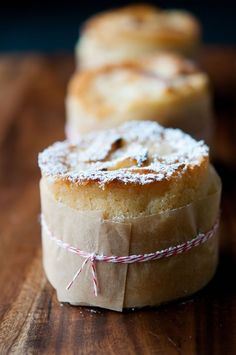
(139, 152)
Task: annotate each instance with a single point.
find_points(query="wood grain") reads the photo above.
(32, 90)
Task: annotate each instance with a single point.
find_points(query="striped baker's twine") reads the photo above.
(93, 257)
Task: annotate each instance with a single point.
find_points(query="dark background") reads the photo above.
(53, 26)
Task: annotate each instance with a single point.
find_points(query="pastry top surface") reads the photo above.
(150, 81)
(143, 22)
(138, 152)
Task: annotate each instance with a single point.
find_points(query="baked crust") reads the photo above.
(135, 30)
(149, 22)
(139, 166)
(165, 88)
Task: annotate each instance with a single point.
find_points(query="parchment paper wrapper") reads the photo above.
(129, 285)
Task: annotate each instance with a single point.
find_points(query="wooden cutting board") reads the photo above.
(32, 91)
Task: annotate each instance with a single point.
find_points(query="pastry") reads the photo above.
(165, 88)
(114, 201)
(130, 32)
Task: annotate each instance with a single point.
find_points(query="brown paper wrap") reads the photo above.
(129, 285)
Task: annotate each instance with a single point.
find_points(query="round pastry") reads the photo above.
(165, 88)
(135, 30)
(125, 192)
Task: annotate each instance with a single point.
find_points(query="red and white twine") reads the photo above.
(129, 259)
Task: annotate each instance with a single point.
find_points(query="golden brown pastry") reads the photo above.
(135, 30)
(128, 191)
(165, 88)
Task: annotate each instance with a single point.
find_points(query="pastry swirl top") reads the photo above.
(143, 22)
(135, 84)
(138, 152)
